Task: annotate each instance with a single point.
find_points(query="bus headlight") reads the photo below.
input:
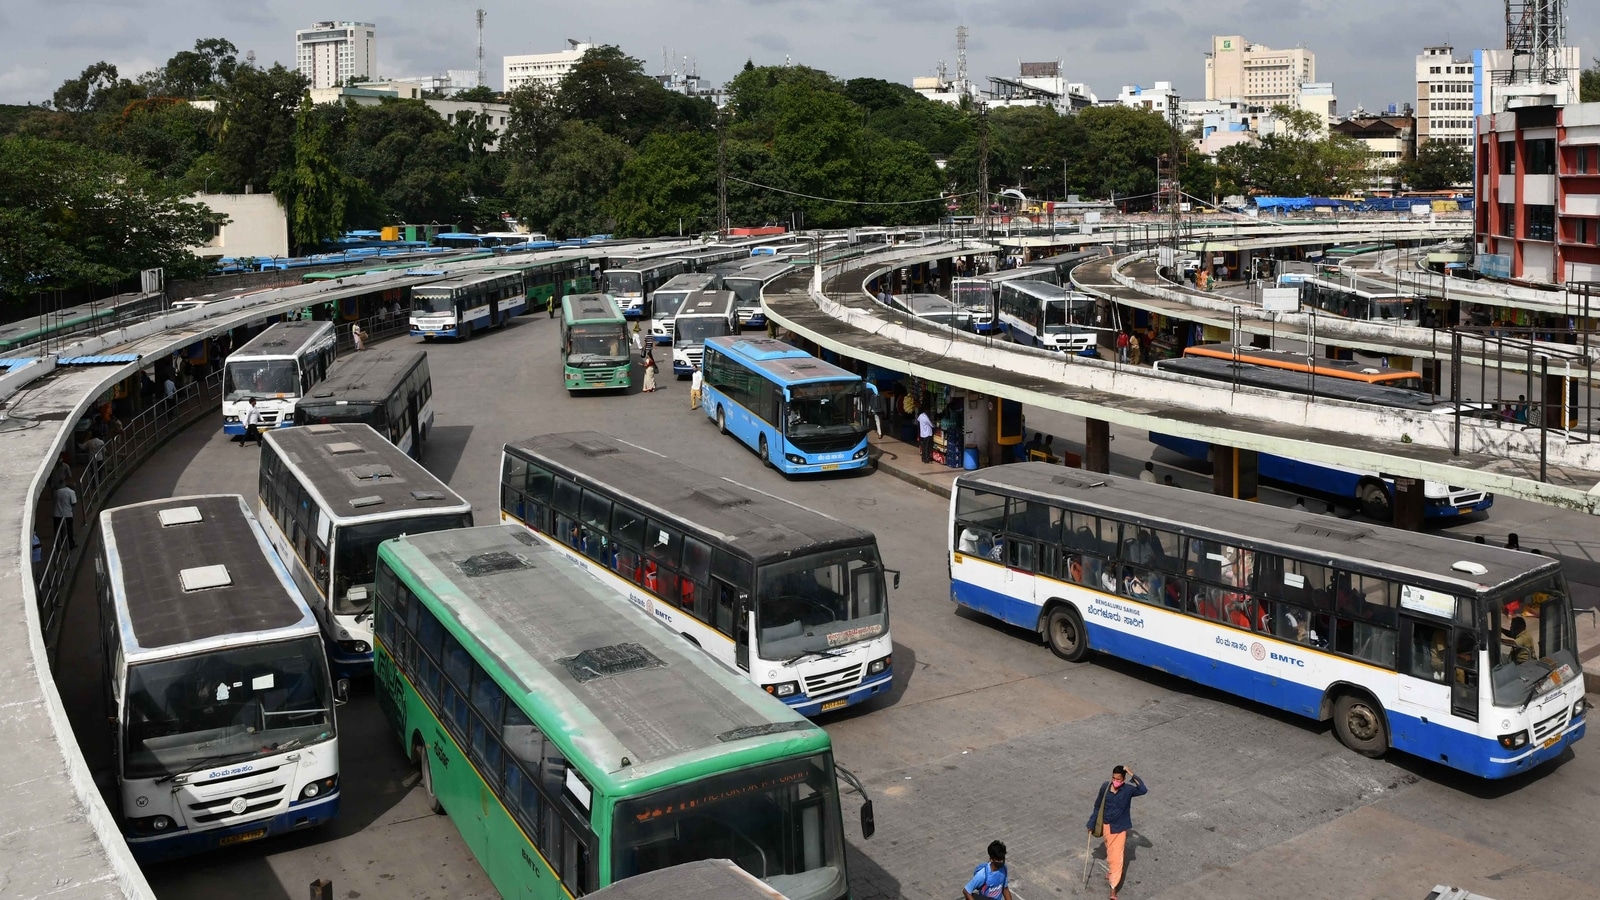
(860, 454)
(318, 788)
(795, 458)
(878, 665)
(1514, 740)
(786, 689)
(357, 647)
(152, 824)
(1579, 708)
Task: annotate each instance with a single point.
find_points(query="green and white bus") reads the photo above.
(548, 280)
(574, 743)
(595, 353)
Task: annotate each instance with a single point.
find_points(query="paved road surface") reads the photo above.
(985, 735)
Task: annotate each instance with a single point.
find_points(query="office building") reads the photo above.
(331, 53)
(543, 68)
(1389, 140)
(1537, 213)
(1445, 96)
(1237, 69)
(1159, 99)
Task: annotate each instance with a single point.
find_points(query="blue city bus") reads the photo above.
(799, 413)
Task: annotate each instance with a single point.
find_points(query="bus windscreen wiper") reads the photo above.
(820, 654)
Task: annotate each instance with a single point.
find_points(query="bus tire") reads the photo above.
(419, 754)
(764, 453)
(464, 331)
(1374, 499)
(722, 419)
(1064, 632)
(1361, 725)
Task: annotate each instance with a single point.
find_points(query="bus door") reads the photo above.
(732, 611)
(1429, 671)
(496, 295)
(414, 419)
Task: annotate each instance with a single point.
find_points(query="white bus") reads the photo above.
(275, 368)
(1353, 303)
(707, 314)
(631, 285)
(793, 599)
(748, 283)
(1039, 314)
(666, 300)
(976, 296)
(219, 700)
(1463, 654)
(457, 306)
(327, 496)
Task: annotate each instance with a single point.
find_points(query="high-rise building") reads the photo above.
(331, 53)
(544, 68)
(1258, 75)
(1445, 96)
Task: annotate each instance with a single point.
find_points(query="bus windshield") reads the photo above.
(667, 303)
(747, 290)
(370, 413)
(826, 409)
(973, 295)
(1532, 641)
(355, 555)
(819, 603)
(696, 330)
(260, 378)
(779, 822)
(624, 282)
(597, 342)
(431, 301)
(209, 710)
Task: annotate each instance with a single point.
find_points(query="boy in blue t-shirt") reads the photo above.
(989, 879)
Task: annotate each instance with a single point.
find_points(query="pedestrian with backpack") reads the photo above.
(1112, 819)
(989, 880)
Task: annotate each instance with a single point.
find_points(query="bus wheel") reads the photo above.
(722, 420)
(1374, 498)
(1063, 629)
(419, 754)
(766, 456)
(1360, 724)
(464, 332)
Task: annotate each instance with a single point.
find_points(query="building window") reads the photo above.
(1541, 223)
(1508, 220)
(1542, 156)
(1508, 158)
(1583, 160)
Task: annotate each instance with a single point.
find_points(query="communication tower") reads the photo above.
(961, 60)
(483, 73)
(1535, 35)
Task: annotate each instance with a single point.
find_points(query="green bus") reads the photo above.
(574, 742)
(549, 280)
(595, 352)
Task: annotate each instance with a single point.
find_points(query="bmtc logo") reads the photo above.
(1258, 651)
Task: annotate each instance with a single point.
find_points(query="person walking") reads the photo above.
(65, 499)
(550, 307)
(169, 395)
(697, 381)
(1113, 813)
(358, 337)
(875, 407)
(990, 880)
(252, 425)
(1122, 347)
(925, 435)
(649, 374)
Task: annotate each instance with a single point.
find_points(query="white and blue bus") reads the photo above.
(275, 369)
(217, 690)
(1369, 490)
(669, 297)
(632, 284)
(1044, 315)
(747, 285)
(799, 413)
(458, 306)
(1462, 654)
(789, 598)
(327, 496)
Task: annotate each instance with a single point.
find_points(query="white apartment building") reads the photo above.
(1495, 94)
(331, 53)
(1160, 99)
(543, 68)
(1445, 96)
(1256, 74)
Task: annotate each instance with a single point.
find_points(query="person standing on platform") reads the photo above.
(358, 337)
(1148, 476)
(1114, 809)
(696, 382)
(65, 499)
(925, 435)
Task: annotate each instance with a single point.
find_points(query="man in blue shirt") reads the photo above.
(1117, 797)
(989, 879)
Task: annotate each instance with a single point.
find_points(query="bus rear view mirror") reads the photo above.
(896, 582)
(868, 825)
(341, 691)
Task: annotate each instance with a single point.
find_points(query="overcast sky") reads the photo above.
(1366, 47)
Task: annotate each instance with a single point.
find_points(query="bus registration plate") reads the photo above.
(832, 705)
(830, 467)
(1551, 742)
(256, 835)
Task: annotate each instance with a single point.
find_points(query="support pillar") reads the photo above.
(1096, 445)
(1409, 503)
(1234, 472)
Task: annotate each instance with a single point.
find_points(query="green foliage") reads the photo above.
(201, 72)
(1589, 84)
(610, 90)
(567, 191)
(668, 184)
(97, 89)
(1299, 163)
(72, 215)
(256, 126)
(480, 94)
(164, 135)
(1438, 165)
(314, 191)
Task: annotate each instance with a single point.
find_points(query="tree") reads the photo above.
(609, 89)
(411, 161)
(1589, 84)
(480, 94)
(898, 172)
(257, 126)
(165, 135)
(97, 219)
(313, 190)
(668, 184)
(566, 195)
(96, 88)
(199, 72)
(1438, 165)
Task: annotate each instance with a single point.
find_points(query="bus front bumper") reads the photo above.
(1444, 510)
(440, 332)
(811, 706)
(856, 460)
(348, 664)
(298, 817)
